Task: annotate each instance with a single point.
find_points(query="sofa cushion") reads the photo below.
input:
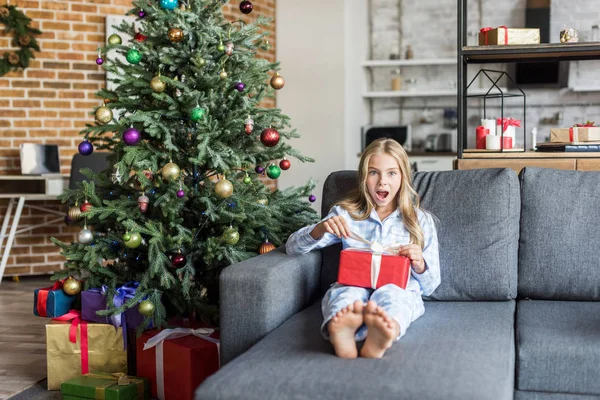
(478, 230)
(461, 350)
(558, 346)
(558, 253)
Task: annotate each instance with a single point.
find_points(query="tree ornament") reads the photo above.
(248, 125)
(246, 7)
(141, 14)
(221, 47)
(266, 247)
(178, 260)
(74, 213)
(103, 115)
(99, 60)
(85, 148)
(196, 113)
(269, 137)
(223, 188)
(85, 236)
(133, 56)
(229, 48)
(85, 206)
(240, 86)
(135, 239)
(259, 169)
(231, 236)
(176, 35)
(273, 171)
(223, 74)
(267, 46)
(127, 237)
(169, 4)
(116, 177)
(139, 37)
(157, 84)
(178, 92)
(263, 201)
(131, 136)
(114, 39)
(247, 180)
(71, 286)
(201, 62)
(312, 198)
(146, 308)
(277, 81)
(143, 202)
(170, 171)
(180, 193)
(285, 164)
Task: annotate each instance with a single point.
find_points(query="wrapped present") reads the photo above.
(76, 347)
(575, 134)
(177, 361)
(52, 301)
(100, 385)
(507, 36)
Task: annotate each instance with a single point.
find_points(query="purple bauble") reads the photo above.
(85, 148)
(99, 61)
(246, 7)
(141, 14)
(240, 86)
(259, 169)
(312, 198)
(180, 193)
(132, 136)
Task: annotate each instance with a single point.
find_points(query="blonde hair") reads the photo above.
(359, 203)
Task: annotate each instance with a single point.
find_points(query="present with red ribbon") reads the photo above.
(75, 347)
(52, 301)
(177, 361)
(575, 134)
(503, 35)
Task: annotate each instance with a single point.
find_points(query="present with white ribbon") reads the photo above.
(177, 361)
(373, 266)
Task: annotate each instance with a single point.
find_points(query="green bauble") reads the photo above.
(196, 114)
(221, 47)
(201, 62)
(247, 180)
(146, 308)
(133, 56)
(114, 39)
(135, 239)
(273, 172)
(231, 236)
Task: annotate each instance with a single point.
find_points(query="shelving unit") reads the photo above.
(426, 93)
(411, 62)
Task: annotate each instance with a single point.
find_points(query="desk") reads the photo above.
(19, 189)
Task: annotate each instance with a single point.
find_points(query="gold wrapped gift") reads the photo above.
(105, 351)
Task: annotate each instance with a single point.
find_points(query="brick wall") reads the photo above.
(49, 103)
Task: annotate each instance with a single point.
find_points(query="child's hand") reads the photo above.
(335, 225)
(414, 253)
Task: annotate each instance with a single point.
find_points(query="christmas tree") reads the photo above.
(190, 143)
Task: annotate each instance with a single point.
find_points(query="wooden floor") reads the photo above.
(22, 336)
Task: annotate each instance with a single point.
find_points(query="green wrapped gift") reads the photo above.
(105, 386)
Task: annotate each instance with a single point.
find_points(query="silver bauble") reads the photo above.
(85, 236)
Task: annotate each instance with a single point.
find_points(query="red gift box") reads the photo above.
(363, 268)
(186, 362)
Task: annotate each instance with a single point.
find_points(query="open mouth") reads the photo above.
(381, 195)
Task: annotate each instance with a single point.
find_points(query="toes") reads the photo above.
(358, 306)
(371, 307)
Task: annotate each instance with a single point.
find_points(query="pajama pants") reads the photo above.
(402, 305)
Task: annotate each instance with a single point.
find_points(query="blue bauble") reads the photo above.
(85, 148)
(169, 4)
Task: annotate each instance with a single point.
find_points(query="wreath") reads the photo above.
(16, 21)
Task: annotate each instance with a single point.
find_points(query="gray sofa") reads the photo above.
(517, 314)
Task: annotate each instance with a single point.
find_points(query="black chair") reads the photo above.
(97, 162)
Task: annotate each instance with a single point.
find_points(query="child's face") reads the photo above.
(383, 181)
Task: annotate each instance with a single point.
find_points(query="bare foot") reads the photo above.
(342, 328)
(381, 331)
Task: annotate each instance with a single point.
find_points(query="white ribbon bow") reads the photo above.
(202, 333)
(378, 249)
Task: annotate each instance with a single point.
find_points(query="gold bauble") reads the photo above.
(104, 115)
(266, 247)
(146, 308)
(277, 82)
(223, 189)
(170, 172)
(72, 286)
(176, 35)
(264, 201)
(74, 213)
(158, 85)
(223, 74)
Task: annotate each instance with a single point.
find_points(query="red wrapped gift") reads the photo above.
(367, 269)
(177, 361)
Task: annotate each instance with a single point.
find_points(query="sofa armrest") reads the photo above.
(259, 294)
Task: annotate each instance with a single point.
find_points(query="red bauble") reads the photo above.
(178, 260)
(285, 164)
(139, 37)
(269, 137)
(86, 205)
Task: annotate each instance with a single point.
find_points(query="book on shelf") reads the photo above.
(569, 147)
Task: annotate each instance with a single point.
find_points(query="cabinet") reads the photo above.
(432, 161)
(508, 54)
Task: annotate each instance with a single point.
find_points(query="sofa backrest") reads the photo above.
(560, 235)
(478, 230)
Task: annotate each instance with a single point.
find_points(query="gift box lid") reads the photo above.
(91, 385)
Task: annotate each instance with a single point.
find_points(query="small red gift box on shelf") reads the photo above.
(364, 268)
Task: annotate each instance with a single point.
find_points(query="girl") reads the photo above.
(384, 208)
